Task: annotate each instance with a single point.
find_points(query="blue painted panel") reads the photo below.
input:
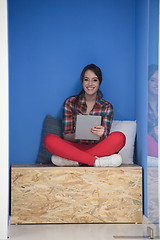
(49, 44)
(142, 89)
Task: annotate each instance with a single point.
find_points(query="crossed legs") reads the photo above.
(82, 153)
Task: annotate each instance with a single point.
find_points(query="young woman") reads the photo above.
(153, 110)
(71, 152)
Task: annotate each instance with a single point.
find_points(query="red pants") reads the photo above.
(84, 153)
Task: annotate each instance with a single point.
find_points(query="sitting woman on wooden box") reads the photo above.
(72, 152)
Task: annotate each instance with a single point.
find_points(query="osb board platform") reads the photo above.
(76, 194)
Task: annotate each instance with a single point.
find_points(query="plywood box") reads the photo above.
(47, 194)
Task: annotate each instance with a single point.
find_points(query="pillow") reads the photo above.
(129, 129)
(51, 125)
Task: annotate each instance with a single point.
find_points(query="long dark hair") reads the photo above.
(151, 70)
(94, 69)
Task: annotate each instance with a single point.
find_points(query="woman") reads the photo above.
(153, 110)
(90, 152)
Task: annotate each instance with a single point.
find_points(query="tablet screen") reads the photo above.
(84, 124)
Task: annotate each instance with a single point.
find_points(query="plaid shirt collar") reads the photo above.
(82, 100)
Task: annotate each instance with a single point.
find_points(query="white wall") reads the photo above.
(4, 165)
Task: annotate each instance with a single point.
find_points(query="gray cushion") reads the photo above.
(51, 125)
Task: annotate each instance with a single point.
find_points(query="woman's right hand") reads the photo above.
(98, 130)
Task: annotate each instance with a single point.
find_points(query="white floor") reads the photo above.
(77, 232)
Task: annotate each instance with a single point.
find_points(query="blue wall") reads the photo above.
(49, 44)
(153, 31)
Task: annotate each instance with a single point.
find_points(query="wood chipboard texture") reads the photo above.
(76, 194)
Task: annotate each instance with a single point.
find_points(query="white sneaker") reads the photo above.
(62, 162)
(113, 160)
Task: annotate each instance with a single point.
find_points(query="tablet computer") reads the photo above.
(84, 123)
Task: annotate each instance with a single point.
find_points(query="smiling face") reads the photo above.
(90, 83)
(153, 84)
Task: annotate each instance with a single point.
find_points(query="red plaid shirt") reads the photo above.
(72, 109)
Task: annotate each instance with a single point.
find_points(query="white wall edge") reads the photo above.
(4, 122)
(3, 234)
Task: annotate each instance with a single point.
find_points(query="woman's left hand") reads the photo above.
(98, 130)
